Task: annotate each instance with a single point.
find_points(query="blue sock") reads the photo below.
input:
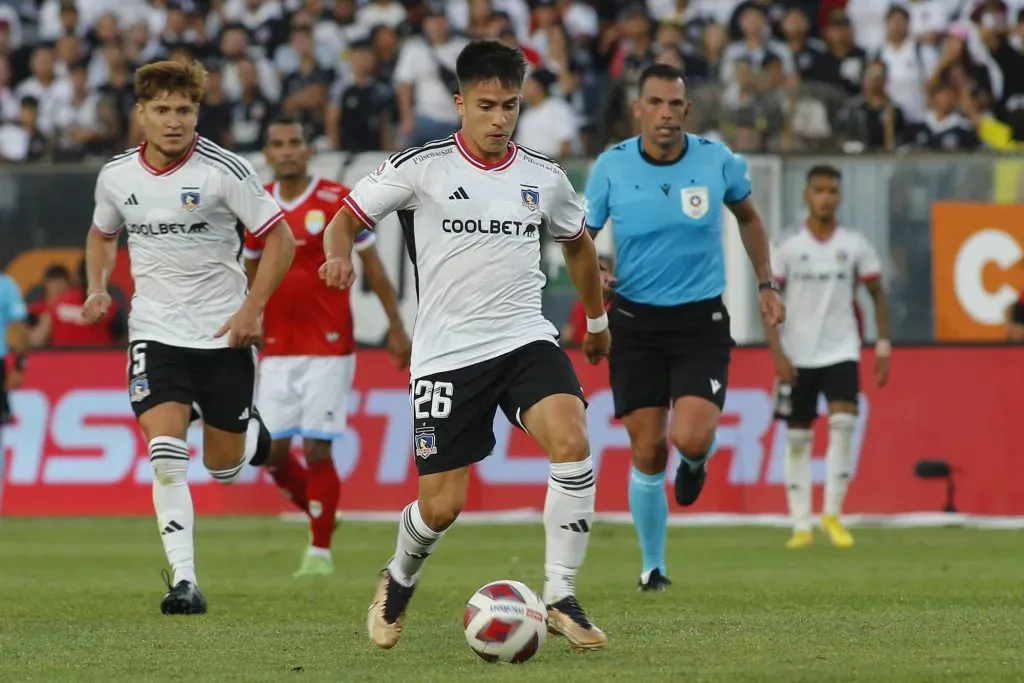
(649, 505)
(694, 465)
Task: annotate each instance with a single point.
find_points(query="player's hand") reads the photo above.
(399, 347)
(785, 370)
(14, 378)
(95, 307)
(244, 328)
(773, 311)
(596, 346)
(337, 272)
(881, 371)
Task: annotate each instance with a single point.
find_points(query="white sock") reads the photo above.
(415, 540)
(568, 514)
(798, 477)
(231, 474)
(837, 461)
(172, 501)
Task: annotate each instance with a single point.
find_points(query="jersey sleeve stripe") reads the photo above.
(868, 277)
(251, 253)
(358, 212)
(546, 159)
(265, 228)
(223, 163)
(230, 158)
(402, 157)
(107, 233)
(578, 234)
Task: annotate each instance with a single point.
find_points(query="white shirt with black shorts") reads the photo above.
(821, 336)
(185, 228)
(480, 340)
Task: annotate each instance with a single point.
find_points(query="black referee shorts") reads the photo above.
(662, 353)
(5, 403)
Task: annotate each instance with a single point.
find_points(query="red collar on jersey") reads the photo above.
(482, 164)
(173, 167)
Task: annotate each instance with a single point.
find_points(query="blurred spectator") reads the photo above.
(906, 64)
(44, 87)
(848, 60)
(119, 92)
(252, 111)
(234, 46)
(83, 123)
(944, 128)
(305, 90)
(9, 104)
(460, 11)
(869, 18)
(548, 124)
(872, 122)
(810, 55)
(23, 141)
(61, 324)
(389, 13)
(334, 33)
(216, 120)
(772, 11)
(56, 281)
(385, 53)
(361, 111)
(759, 51)
(956, 66)
(425, 80)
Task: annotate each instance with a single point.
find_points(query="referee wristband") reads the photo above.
(597, 325)
(883, 348)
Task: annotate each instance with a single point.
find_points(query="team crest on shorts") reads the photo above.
(315, 221)
(138, 388)
(695, 202)
(190, 198)
(424, 440)
(531, 197)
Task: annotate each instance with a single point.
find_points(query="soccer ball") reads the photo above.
(505, 621)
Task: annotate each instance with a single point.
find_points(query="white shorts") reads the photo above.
(305, 396)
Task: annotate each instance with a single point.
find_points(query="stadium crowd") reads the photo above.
(765, 75)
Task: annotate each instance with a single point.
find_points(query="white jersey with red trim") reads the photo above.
(821, 280)
(473, 233)
(185, 235)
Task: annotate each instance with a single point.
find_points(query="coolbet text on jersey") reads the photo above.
(304, 317)
(472, 230)
(666, 218)
(184, 238)
(821, 281)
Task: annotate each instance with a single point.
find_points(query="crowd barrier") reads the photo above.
(74, 448)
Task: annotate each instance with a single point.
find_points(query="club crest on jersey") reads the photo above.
(842, 256)
(531, 198)
(138, 389)
(424, 441)
(695, 201)
(315, 221)
(190, 199)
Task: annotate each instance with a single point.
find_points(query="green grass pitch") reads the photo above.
(79, 602)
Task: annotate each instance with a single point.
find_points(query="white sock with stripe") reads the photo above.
(172, 501)
(568, 515)
(415, 541)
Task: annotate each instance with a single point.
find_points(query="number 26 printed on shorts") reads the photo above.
(430, 400)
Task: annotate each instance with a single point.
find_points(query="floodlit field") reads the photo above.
(79, 601)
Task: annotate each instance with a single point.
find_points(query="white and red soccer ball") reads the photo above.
(505, 621)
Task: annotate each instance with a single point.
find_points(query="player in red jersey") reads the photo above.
(307, 364)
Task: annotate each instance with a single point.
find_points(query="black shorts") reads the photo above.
(1018, 313)
(661, 353)
(839, 382)
(219, 381)
(453, 412)
(5, 403)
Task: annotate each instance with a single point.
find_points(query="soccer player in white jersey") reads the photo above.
(472, 206)
(182, 200)
(818, 350)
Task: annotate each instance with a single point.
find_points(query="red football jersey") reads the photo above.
(304, 317)
(68, 327)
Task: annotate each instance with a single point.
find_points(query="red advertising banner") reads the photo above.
(74, 448)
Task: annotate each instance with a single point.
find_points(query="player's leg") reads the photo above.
(639, 373)
(233, 432)
(324, 388)
(841, 386)
(161, 396)
(545, 399)
(453, 422)
(799, 410)
(281, 410)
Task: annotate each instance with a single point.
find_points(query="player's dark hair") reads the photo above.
(824, 171)
(56, 271)
(661, 72)
(489, 60)
(188, 78)
(283, 120)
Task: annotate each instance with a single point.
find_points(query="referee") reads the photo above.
(12, 323)
(663, 192)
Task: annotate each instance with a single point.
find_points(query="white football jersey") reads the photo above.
(473, 233)
(820, 280)
(185, 233)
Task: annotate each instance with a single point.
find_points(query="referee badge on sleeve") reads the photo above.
(695, 201)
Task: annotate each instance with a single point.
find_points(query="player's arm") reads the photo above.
(278, 251)
(384, 191)
(784, 369)
(399, 344)
(101, 251)
(869, 270)
(39, 335)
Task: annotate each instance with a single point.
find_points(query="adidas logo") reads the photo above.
(171, 528)
(131, 201)
(579, 526)
(244, 415)
(458, 194)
